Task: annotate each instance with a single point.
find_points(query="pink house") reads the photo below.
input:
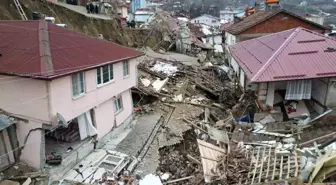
(48, 73)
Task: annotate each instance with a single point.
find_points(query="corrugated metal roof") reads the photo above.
(289, 55)
(261, 16)
(43, 50)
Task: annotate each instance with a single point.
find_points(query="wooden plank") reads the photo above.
(261, 167)
(256, 166)
(317, 139)
(274, 165)
(209, 154)
(178, 180)
(248, 174)
(297, 165)
(269, 160)
(281, 164)
(289, 158)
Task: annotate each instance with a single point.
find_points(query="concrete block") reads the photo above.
(8, 182)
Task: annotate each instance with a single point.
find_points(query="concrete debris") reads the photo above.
(145, 82)
(165, 68)
(98, 174)
(151, 179)
(178, 98)
(158, 84)
(165, 176)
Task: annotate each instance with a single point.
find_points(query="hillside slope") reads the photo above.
(111, 29)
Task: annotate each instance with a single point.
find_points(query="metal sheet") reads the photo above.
(5, 121)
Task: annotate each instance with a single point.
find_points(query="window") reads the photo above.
(118, 106)
(78, 84)
(104, 74)
(213, 21)
(125, 68)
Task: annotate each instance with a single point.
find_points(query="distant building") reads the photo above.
(143, 15)
(315, 18)
(123, 10)
(226, 15)
(265, 22)
(207, 20)
(304, 3)
(135, 4)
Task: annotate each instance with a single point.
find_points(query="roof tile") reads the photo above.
(261, 16)
(24, 50)
(269, 58)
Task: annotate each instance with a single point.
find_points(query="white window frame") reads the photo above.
(126, 68)
(118, 104)
(76, 82)
(100, 75)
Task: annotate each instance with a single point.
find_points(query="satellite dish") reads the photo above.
(61, 121)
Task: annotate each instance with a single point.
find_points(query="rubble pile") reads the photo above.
(232, 168)
(176, 160)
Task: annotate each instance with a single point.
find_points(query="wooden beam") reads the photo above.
(274, 165)
(261, 167)
(269, 161)
(256, 166)
(178, 180)
(317, 139)
(187, 121)
(281, 164)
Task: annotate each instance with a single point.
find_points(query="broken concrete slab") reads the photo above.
(135, 140)
(91, 160)
(158, 84)
(145, 82)
(88, 172)
(70, 174)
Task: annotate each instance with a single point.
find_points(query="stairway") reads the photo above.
(19, 7)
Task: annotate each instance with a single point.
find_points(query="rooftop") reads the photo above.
(261, 16)
(207, 15)
(43, 50)
(289, 55)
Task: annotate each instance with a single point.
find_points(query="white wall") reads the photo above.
(213, 40)
(331, 97)
(206, 20)
(242, 79)
(234, 65)
(142, 17)
(230, 39)
(227, 16)
(270, 94)
(318, 20)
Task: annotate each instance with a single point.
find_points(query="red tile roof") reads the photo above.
(261, 16)
(289, 55)
(43, 50)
